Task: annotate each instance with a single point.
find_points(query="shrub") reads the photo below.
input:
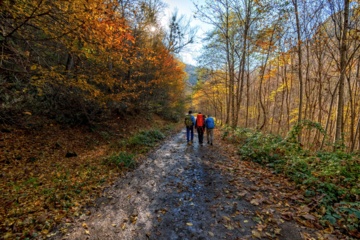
(121, 160)
(331, 176)
(146, 138)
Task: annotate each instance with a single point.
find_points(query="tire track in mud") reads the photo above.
(176, 193)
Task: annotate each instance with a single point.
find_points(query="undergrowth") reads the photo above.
(144, 140)
(39, 193)
(141, 142)
(331, 177)
(121, 160)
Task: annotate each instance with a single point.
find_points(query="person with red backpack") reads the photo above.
(200, 127)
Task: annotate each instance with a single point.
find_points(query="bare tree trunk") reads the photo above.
(358, 124)
(288, 99)
(242, 64)
(247, 93)
(260, 96)
(227, 96)
(352, 112)
(307, 91)
(329, 115)
(299, 53)
(319, 75)
(343, 62)
(282, 101)
(262, 75)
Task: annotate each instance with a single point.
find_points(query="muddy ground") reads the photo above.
(192, 192)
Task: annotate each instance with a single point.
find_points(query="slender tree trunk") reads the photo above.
(261, 100)
(319, 73)
(227, 96)
(299, 53)
(242, 63)
(282, 100)
(262, 75)
(343, 49)
(352, 112)
(288, 99)
(247, 93)
(358, 124)
(329, 115)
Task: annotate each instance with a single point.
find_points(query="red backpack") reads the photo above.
(199, 120)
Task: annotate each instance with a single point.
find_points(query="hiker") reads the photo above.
(189, 123)
(210, 125)
(200, 126)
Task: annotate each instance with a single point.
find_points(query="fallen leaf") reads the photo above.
(189, 224)
(255, 202)
(123, 226)
(256, 234)
(287, 216)
(242, 194)
(226, 218)
(308, 217)
(229, 227)
(304, 209)
(84, 225)
(277, 231)
(133, 219)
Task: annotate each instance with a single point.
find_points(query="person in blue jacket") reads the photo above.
(189, 123)
(209, 125)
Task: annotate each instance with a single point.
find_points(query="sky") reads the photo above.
(187, 8)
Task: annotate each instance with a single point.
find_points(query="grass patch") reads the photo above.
(121, 160)
(144, 140)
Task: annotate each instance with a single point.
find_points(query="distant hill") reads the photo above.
(191, 71)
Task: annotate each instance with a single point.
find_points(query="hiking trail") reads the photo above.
(185, 191)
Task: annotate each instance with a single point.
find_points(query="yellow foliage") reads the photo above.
(281, 88)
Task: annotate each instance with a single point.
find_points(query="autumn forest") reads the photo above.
(78, 61)
(271, 65)
(281, 78)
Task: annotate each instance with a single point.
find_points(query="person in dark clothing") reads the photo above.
(200, 127)
(189, 123)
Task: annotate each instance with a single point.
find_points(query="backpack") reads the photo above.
(199, 120)
(210, 124)
(188, 121)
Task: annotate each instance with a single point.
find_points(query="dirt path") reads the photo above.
(182, 192)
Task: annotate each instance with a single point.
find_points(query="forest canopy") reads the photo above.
(81, 61)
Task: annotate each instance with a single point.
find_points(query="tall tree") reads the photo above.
(299, 54)
(342, 68)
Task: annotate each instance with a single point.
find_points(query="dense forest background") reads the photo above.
(273, 65)
(268, 65)
(80, 62)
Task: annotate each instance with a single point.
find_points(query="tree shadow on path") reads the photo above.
(180, 192)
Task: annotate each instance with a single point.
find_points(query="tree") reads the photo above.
(180, 34)
(79, 61)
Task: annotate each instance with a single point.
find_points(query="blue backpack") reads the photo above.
(210, 123)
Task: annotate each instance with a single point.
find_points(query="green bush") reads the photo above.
(146, 138)
(121, 160)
